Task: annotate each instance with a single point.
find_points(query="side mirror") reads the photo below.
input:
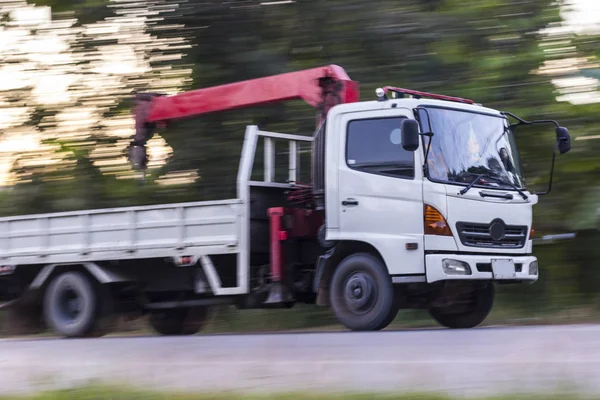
(564, 139)
(410, 134)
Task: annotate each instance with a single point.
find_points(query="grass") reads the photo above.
(114, 393)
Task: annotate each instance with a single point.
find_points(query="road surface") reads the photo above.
(464, 362)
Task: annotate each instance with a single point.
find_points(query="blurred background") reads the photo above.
(68, 70)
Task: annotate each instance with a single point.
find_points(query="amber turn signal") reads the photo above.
(435, 223)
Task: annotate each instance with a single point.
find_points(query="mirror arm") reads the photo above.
(551, 173)
(425, 164)
(523, 122)
(428, 134)
(560, 139)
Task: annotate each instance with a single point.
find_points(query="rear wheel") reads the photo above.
(75, 307)
(362, 296)
(179, 321)
(468, 310)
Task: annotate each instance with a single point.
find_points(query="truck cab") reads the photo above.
(414, 211)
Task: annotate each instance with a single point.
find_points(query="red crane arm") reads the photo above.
(303, 85)
(322, 88)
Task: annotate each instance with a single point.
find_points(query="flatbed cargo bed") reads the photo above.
(208, 227)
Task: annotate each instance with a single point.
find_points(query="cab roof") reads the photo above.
(411, 103)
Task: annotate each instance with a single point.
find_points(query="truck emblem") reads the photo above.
(497, 230)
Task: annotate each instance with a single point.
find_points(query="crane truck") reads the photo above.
(416, 201)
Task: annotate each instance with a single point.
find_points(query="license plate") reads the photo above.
(503, 269)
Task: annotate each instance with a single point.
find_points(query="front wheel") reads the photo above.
(362, 295)
(468, 310)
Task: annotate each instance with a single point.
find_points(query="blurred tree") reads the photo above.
(486, 50)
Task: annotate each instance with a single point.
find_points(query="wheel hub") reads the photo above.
(70, 304)
(74, 306)
(360, 292)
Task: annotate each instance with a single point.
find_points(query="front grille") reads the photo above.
(495, 234)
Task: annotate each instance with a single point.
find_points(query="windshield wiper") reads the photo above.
(497, 179)
(470, 185)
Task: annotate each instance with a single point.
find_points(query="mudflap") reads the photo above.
(319, 287)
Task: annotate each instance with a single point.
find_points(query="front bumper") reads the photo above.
(440, 267)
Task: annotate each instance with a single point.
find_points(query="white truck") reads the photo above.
(417, 200)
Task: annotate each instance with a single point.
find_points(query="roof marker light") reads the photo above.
(415, 93)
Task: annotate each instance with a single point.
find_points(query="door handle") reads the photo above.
(350, 202)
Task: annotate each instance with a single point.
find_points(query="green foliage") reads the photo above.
(486, 50)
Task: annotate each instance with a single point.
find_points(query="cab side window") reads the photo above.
(375, 146)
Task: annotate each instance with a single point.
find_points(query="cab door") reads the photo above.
(380, 189)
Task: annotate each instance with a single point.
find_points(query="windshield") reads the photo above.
(467, 144)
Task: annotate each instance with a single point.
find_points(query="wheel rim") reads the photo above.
(70, 304)
(360, 293)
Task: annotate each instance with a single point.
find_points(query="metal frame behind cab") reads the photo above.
(242, 202)
(244, 183)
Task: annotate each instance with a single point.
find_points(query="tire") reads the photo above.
(392, 314)
(75, 289)
(362, 295)
(482, 301)
(179, 321)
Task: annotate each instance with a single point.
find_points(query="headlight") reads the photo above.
(533, 268)
(455, 267)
